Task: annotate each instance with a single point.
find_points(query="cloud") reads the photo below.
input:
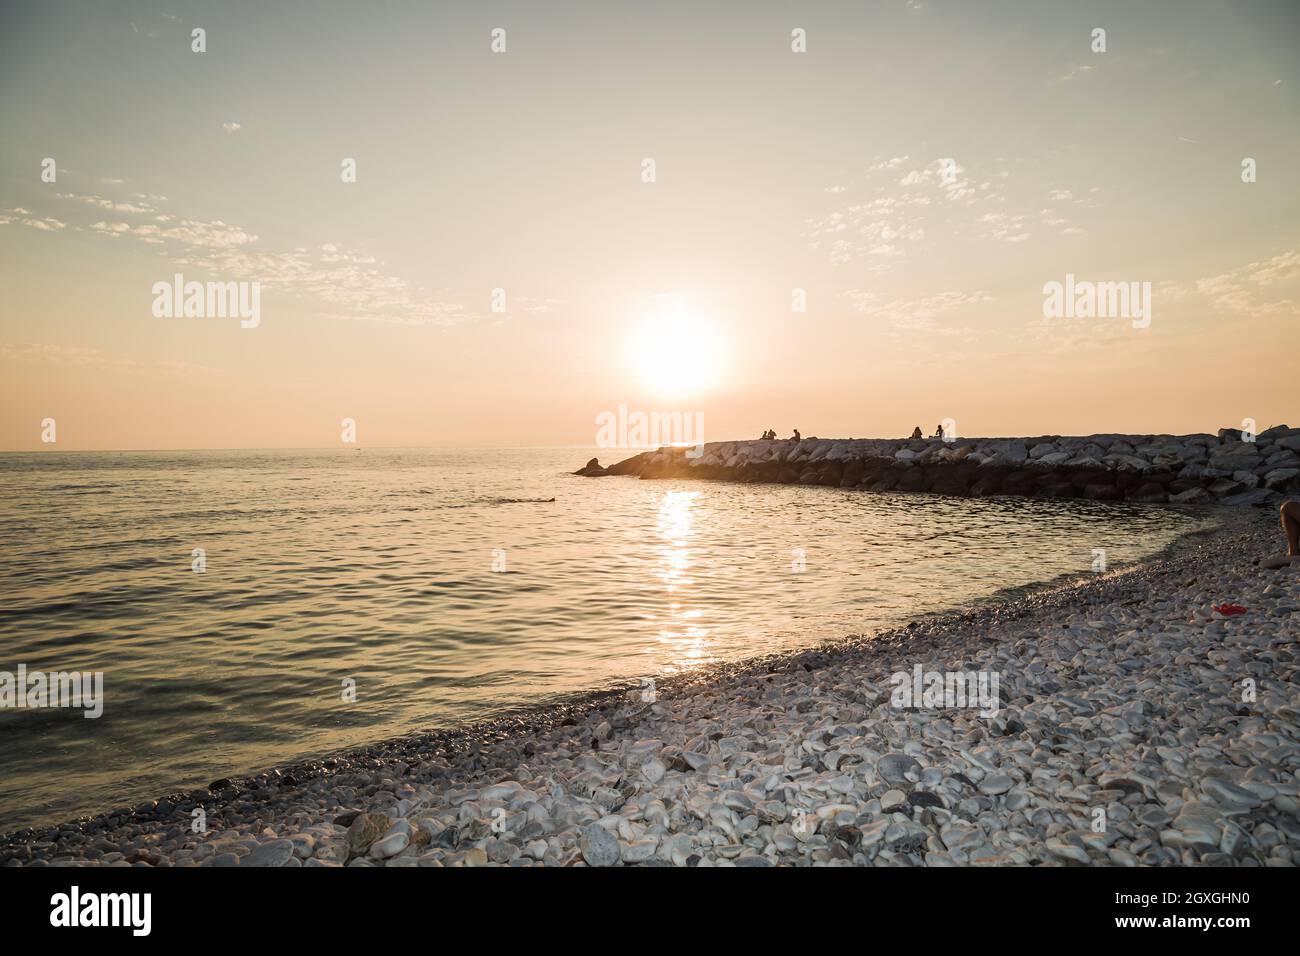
(109, 204)
(340, 283)
(40, 355)
(889, 216)
(1248, 291)
(917, 313)
(1081, 70)
(887, 164)
(231, 127)
(537, 306)
(25, 218)
(1003, 226)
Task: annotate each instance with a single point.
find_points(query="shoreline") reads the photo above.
(330, 811)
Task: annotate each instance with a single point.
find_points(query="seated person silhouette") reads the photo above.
(916, 432)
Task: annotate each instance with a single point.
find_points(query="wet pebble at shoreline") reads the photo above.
(1136, 727)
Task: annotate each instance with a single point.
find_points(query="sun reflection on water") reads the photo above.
(684, 639)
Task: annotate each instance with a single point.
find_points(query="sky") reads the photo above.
(504, 268)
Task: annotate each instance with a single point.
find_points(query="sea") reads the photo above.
(248, 609)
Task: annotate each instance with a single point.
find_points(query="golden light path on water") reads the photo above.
(684, 638)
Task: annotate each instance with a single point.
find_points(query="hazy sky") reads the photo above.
(523, 171)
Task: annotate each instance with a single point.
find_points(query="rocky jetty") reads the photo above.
(1228, 468)
(1136, 725)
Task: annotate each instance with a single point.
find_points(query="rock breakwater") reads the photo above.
(1229, 468)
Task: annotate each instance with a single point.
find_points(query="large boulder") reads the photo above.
(1239, 456)
(1054, 458)
(914, 479)
(1150, 493)
(1005, 457)
(1280, 479)
(1126, 462)
(1086, 461)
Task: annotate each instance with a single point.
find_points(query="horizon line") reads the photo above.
(630, 448)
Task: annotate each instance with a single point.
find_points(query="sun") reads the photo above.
(677, 353)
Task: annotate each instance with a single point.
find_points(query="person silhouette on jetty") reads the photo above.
(1290, 516)
(938, 431)
(916, 432)
(795, 436)
(769, 435)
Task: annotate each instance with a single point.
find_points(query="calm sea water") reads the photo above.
(377, 566)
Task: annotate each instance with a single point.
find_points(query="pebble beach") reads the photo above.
(1136, 726)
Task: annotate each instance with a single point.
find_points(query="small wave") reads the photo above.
(85, 489)
(469, 503)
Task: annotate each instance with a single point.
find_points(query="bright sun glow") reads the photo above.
(677, 353)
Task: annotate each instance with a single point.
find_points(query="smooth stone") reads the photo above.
(275, 853)
(996, 783)
(365, 830)
(638, 851)
(1066, 850)
(1017, 800)
(1153, 816)
(1229, 795)
(390, 845)
(894, 767)
(893, 800)
(599, 847)
(695, 760)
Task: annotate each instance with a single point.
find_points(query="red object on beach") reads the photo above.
(1227, 610)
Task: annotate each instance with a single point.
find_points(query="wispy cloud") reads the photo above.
(39, 355)
(341, 283)
(25, 218)
(1249, 291)
(899, 208)
(917, 313)
(1081, 70)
